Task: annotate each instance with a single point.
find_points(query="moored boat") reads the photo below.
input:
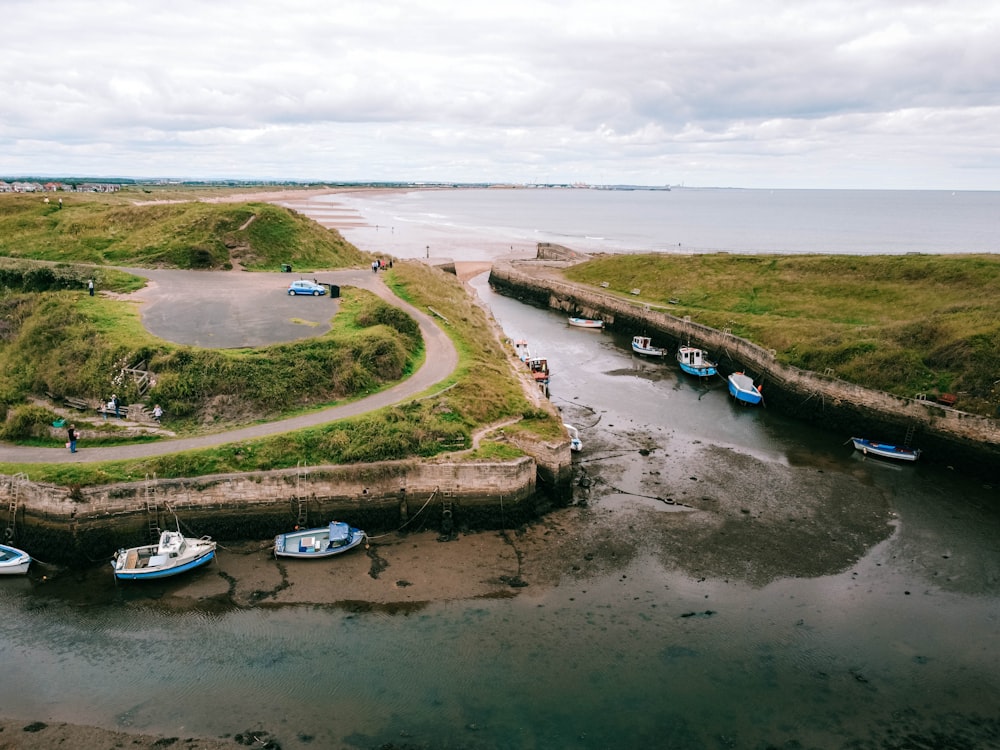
(575, 444)
(13, 561)
(539, 367)
(326, 541)
(644, 345)
(695, 361)
(172, 555)
(521, 350)
(742, 388)
(586, 323)
(885, 450)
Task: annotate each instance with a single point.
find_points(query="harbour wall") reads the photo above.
(80, 525)
(945, 435)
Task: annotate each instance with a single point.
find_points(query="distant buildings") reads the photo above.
(51, 187)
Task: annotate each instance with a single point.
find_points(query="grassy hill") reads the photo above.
(904, 324)
(111, 230)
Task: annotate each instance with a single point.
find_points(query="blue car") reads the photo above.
(302, 286)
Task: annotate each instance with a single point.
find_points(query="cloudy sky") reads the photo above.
(769, 93)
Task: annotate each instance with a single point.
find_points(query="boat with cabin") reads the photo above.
(644, 345)
(171, 555)
(695, 361)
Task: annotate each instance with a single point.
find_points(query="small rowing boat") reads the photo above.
(897, 452)
(586, 323)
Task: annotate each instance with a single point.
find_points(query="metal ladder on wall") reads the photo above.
(909, 435)
(13, 501)
(303, 503)
(152, 512)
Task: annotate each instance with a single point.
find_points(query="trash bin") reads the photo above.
(334, 291)
(286, 267)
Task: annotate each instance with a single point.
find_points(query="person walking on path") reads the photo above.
(90, 287)
(72, 434)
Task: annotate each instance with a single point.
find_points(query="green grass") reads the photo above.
(482, 390)
(902, 324)
(112, 230)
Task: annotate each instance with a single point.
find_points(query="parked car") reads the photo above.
(304, 286)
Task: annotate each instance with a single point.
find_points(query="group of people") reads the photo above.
(379, 265)
(113, 405)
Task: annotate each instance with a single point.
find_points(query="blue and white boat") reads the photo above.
(742, 388)
(326, 541)
(644, 345)
(885, 450)
(592, 323)
(695, 361)
(13, 561)
(575, 444)
(172, 555)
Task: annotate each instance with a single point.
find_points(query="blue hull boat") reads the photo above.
(695, 361)
(741, 388)
(171, 556)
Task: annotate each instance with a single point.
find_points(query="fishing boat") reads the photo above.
(521, 350)
(586, 323)
(644, 345)
(897, 452)
(695, 361)
(172, 555)
(539, 367)
(326, 541)
(575, 444)
(13, 561)
(742, 388)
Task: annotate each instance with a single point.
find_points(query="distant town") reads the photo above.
(82, 185)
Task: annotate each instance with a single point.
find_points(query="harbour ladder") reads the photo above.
(14, 500)
(152, 512)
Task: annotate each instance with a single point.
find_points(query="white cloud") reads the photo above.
(816, 93)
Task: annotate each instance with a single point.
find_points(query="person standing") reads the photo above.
(157, 413)
(90, 287)
(73, 435)
(114, 405)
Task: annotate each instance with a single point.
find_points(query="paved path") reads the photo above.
(245, 307)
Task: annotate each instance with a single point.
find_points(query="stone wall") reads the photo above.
(67, 525)
(946, 435)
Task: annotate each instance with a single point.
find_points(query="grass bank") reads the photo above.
(904, 324)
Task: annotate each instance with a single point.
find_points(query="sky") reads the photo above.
(879, 94)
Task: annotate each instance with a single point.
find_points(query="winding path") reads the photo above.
(250, 309)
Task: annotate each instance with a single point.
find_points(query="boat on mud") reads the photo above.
(644, 345)
(695, 361)
(743, 389)
(885, 450)
(586, 323)
(172, 555)
(326, 541)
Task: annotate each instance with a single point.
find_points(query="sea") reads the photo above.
(896, 647)
(479, 224)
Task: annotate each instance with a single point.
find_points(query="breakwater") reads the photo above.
(946, 435)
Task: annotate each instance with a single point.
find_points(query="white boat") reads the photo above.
(644, 345)
(897, 452)
(13, 561)
(326, 541)
(172, 555)
(742, 388)
(521, 350)
(695, 361)
(586, 323)
(575, 444)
